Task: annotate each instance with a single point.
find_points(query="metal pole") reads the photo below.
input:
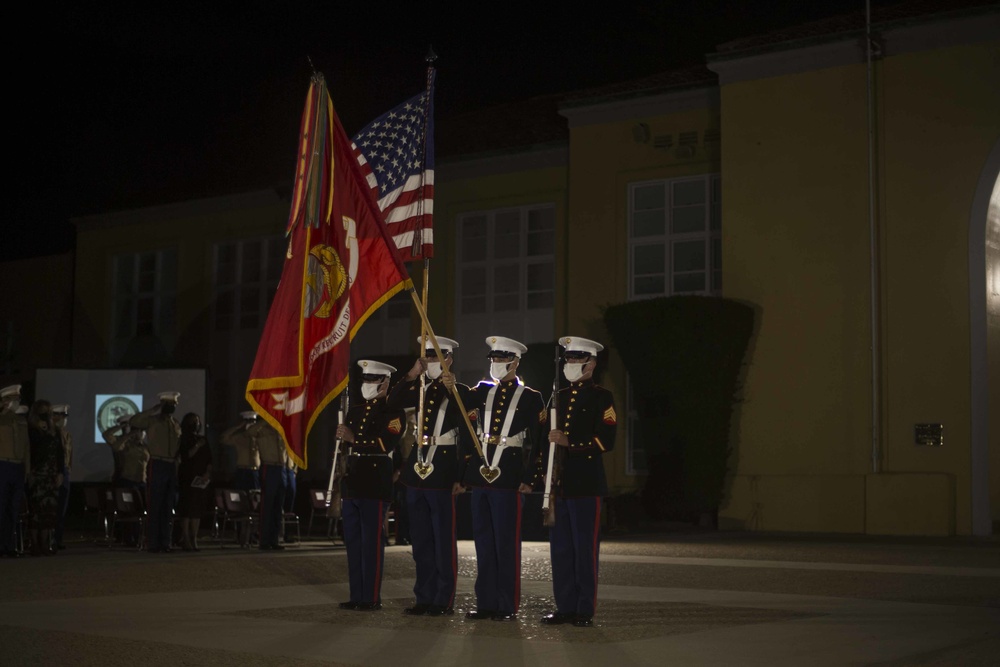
(873, 249)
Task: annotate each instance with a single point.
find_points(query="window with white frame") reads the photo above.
(145, 296)
(675, 237)
(505, 278)
(246, 277)
(507, 261)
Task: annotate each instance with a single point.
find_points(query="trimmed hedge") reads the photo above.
(684, 355)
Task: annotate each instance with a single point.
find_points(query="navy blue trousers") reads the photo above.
(289, 490)
(11, 497)
(575, 545)
(496, 529)
(162, 491)
(435, 551)
(363, 520)
(272, 499)
(246, 479)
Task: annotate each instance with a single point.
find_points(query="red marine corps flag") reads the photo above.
(341, 265)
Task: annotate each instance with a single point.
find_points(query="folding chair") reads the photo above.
(291, 519)
(129, 509)
(318, 505)
(93, 503)
(239, 512)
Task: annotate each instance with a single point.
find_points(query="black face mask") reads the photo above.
(168, 408)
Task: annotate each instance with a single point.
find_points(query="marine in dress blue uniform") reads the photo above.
(15, 461)
(586, 424)
(163, 440)
(372, 433)
(431, 475)
(512, 416)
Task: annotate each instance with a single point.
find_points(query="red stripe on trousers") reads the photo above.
(517, 559)
(454, 555)
(597, 529)
(378, 554)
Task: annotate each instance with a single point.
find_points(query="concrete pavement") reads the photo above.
(681, 598)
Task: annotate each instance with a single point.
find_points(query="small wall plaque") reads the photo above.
(929, 435)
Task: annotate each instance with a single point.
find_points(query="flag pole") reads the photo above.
(440, 356)
(418, 242)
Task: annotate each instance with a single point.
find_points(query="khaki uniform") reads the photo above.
(247, 454)
(15, 462)
(133, 456)
(163, 435)
(273, 458)
(14, 440)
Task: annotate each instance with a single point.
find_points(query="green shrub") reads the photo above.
(684, 356)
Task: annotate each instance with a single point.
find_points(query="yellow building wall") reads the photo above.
(604, 160)
(795, 243)
(192, 233)
(940, 119)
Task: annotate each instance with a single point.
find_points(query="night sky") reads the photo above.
(126, 105)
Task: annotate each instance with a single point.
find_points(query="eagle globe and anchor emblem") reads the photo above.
(113, 409)
(326, 281)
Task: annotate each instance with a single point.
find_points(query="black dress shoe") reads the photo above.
(351, 606)
(556, 618)
(166, 550)
(417, 610)
(480, 615)
(583, 621)
(277, 547)
(369, 606)
(438, 610)
(505, 617)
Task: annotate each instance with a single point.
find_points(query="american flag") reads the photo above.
(396, 154)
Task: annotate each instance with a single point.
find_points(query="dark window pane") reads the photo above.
(168, 315)
(147, 281)
(540, 277)
(275, 259)
(250, 265)
(689, 282)
(474, 305)
(538, 300)
(689, 256)
(507, 235)
(648, 285)
(688, 219)
(474, 241)
(473, 282)
(716, 254)
(144, 316)
(646, 197)
(648, 223)
(689, 192)
(648, 259)
(541, 219)
(168, 270)
(716, 281)
(124, 318)
(124, 274)
(505, 302)
(541, 243)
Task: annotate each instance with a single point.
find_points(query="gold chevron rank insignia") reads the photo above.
(395, 426)
(609, 416)
(542, 417)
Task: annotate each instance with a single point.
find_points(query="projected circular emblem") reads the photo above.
(110, 410)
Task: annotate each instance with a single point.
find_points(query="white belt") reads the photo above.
(449, 438)
(515, 441)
